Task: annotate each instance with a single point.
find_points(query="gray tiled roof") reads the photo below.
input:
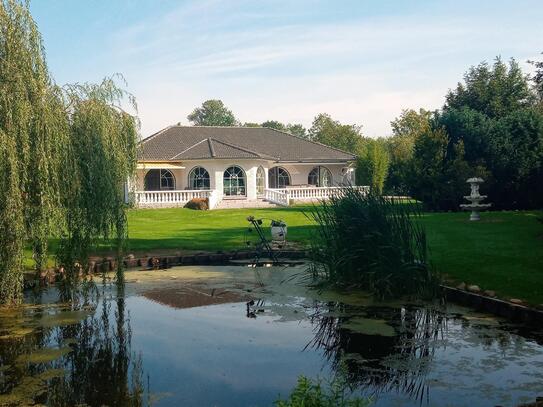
(198, 142)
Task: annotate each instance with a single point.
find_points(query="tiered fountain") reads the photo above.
(475, 198)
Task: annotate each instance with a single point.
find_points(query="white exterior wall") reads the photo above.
(298, 173)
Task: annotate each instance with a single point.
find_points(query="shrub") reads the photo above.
(372, 243)
(312, 394)
(200, 204)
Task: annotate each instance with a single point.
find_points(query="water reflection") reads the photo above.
(76, 355)
(384, 360)
(247, 348)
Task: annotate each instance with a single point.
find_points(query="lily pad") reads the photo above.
(43, 355)
(17, 332)
(63, 318)
(369, 326)
(51, 374)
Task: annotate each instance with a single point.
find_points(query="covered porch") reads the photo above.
(245, 183)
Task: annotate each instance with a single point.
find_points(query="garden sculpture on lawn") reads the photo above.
(475, 198)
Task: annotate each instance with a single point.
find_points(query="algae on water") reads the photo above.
(43, 355)
(369, 326)
(30, 387)
(64, 318)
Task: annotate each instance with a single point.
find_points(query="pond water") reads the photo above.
(187, 337)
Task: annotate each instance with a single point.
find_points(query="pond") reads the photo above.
(240, 336)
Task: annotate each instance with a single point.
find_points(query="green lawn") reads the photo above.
(502, 252)
(179, 228)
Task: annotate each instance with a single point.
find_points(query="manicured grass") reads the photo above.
(502, 252)
(179, 228)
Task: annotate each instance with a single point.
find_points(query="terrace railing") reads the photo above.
(304, 194)
(282, 196)
(276, 196)
(168, 198)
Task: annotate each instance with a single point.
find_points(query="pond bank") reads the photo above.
(513, 311)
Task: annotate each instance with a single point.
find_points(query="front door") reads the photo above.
(234, 182)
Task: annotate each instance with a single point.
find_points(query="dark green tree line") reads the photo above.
(490, 126)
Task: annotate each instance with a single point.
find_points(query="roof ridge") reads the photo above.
(259, 155)
(221, 127)
(187, 149)
(211, 149)
(310, 141)
(155, 134)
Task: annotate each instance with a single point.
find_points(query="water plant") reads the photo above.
(371, 242)
(310, 393)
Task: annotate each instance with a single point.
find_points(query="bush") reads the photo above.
(371, 242)
(310, 394)
(200, 204)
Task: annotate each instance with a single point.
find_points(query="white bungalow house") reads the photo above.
(236, 167)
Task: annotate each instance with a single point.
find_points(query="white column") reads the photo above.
(250, 173)
(216, 180)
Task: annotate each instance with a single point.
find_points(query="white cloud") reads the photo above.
(362, 71)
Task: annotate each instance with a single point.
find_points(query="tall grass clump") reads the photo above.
(373, 243)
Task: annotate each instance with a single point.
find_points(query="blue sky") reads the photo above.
(360, 61)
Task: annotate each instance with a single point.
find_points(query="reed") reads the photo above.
(373, 243)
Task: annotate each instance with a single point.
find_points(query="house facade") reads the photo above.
(236, 167)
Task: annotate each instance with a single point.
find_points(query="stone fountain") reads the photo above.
(475, 198)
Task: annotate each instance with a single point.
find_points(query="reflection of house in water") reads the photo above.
(395, 359)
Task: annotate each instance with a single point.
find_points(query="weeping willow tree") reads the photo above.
(64, 155)
(102, 155)
(32, 133)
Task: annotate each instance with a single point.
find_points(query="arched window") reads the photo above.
(278, 177)
(199, 178)
(260, 181)
(159, 180)
(320, 177)
(234, 181)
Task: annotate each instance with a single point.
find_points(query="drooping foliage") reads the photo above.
(32, 129)
(44, 164)
(373, 243)
(12, 230)
(102, 155)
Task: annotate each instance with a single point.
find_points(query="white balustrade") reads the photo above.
(304, 194)
(168, 198)
(282, 196)
(276, 196)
